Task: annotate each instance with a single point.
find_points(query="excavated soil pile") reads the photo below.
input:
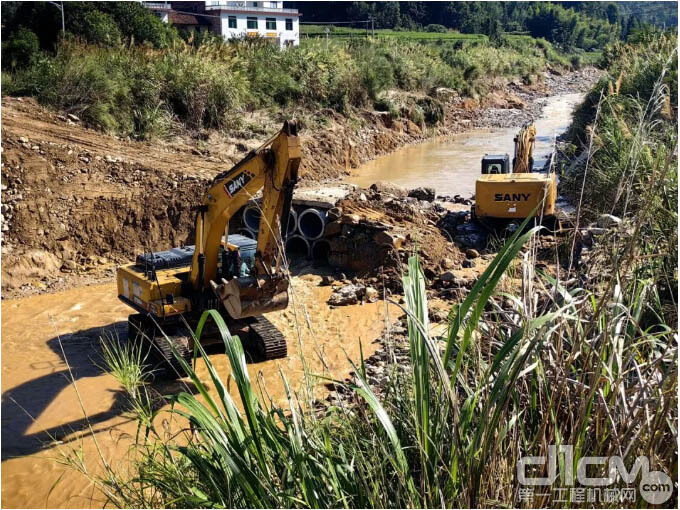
(375, 231)
(76, 201)
(69, 212)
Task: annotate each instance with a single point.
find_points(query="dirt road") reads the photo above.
(41, 412)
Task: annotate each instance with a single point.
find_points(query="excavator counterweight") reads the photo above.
(503, 196)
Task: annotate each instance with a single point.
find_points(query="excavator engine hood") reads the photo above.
(250, 297)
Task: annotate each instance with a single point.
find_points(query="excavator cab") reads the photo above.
(495, 164)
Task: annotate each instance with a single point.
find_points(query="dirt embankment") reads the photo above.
(76, 201)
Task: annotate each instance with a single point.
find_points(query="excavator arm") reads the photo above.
(524, 149)
(273, 167)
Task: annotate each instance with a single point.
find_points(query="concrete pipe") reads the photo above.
(311, 223)
(321, 249)
(251, 217)
(297, 246)
(247, 233)
(292, 222)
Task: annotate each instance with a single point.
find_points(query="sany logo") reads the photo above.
(237, 183)
(656, 487)
(511, 197)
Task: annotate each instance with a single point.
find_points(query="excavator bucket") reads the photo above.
(250, 297)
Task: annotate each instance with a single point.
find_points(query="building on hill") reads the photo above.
(234, 19)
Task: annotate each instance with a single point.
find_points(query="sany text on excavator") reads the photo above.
(240, 277)
(503, 195)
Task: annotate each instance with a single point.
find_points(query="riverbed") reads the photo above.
(452, 165)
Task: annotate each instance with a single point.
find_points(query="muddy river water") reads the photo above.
(452, 165)
(45, 336)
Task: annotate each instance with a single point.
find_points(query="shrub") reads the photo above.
(100, 28)
(433, 110)
(441, 29)
(385, 104)
(21, 49)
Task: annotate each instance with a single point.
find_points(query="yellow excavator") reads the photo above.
(503, 195)
(240, 277)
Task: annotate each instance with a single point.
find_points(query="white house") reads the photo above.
(234, 19)
(264, 19)
(161, 9)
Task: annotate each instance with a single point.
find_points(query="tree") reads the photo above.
(21, 48)
(612, 13)
(97, 27)
(137, 22)
(493, 30)
(388, 15)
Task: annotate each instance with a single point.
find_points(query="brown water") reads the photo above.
(451, 166)
(41, 410)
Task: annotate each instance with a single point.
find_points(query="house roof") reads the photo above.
(177, 18)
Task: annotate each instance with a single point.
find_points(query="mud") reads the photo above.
(41, 413)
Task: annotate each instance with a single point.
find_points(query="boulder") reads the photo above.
(424, 193)
(350, 219)
(388, 238)
(333, 213)
(68, 266)
(389, 188)
(327, 280)
(471, 253)
(472, 240)
(349, 294)
(448, 276)
(371, 294)
(448, 263)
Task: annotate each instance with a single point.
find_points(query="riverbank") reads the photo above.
(74, 199)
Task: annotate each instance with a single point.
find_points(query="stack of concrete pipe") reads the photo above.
(305, 233)
(251, 221)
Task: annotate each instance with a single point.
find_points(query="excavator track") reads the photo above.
(157, 351)
(268, 340)
(166, 365)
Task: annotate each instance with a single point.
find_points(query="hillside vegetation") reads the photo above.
(628, 127)
(570, 25)
(208, 84)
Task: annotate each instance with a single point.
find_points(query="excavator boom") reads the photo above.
(273, 167)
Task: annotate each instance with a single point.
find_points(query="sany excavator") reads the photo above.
(240, 277)
(503, 196)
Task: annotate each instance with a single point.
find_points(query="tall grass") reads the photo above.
(632, 150)
(209, 83)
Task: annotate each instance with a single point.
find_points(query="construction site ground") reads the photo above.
(76, 203)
